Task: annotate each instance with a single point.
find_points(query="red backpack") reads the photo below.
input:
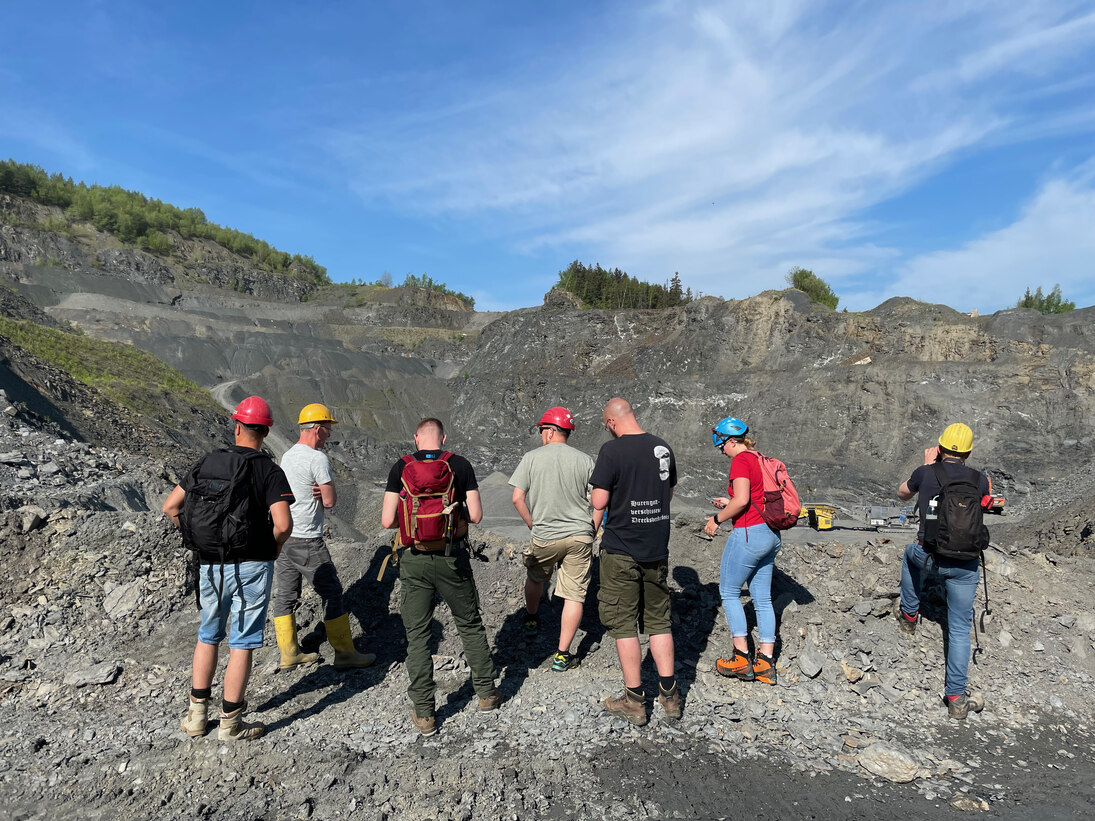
(428, 512)
(781, 502)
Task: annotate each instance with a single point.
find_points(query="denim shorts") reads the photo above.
(242, 603)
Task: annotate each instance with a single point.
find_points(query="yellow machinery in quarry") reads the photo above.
(819, 517)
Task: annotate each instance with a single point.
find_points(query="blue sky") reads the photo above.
(944, 151)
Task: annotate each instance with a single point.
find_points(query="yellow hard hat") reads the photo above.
(957, 438)
(315, 413)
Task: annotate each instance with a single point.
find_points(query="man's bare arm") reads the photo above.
(475, 507)
(389, 509)
(172, 505)
(283, 523)
(328, 496)
(522, 507)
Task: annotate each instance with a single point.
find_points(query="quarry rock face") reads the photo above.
(848, 400)
(97, 612)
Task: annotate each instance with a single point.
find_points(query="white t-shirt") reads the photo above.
(303, 466)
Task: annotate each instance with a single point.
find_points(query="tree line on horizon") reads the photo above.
(134, 218)
(1051, 303)
(599, 287)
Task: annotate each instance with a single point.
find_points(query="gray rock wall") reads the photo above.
(849, 400)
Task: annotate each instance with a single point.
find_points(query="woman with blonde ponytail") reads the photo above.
(749, 556)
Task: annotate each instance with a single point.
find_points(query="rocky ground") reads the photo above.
(98, 626)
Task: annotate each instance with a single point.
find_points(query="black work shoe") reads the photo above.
(969, 702)
(532, 627)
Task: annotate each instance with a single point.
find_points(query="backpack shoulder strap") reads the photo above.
(760, 467)
(408, 458)
(196, 468)
(444, 457)
(254, 492)
(941, 475)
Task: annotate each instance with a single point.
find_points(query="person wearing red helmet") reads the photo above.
(551, 495)
(236, 556)
(253, 411)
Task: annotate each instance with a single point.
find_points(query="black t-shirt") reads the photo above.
(923, 481)
(639, 471)
(270, 486)
(462, 471)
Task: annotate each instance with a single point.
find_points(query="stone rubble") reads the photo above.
(98, 624)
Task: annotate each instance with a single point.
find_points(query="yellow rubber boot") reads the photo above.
(286, 629)
(346, 656)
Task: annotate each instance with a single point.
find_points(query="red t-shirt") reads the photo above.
(746, 465)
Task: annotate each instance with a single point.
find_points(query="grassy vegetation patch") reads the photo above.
(137, 220)
(124, 374)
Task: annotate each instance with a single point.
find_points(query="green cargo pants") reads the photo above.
(420, 575)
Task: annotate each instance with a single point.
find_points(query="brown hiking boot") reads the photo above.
(764, 669)
(904, 621)
(969, 702)
(427, 725)
(196, 717)
(627, 708)
(671, 701)
(737, 666)
(491, 701)
(232, 727)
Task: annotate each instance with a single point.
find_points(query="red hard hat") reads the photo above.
(253, 411)
(560, 417)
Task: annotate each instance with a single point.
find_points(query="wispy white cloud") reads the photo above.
(1036, 50)
(728, 138)
(1051, 242)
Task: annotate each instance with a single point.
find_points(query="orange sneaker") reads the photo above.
(764, 669)
(737, 666)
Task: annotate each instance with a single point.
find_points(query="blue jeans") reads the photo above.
(243, 600)
(749, 556)
(960, 579)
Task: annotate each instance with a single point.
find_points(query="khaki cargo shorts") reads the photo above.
(573, 557)
(634, 596)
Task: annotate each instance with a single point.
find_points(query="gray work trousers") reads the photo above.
(307, 559)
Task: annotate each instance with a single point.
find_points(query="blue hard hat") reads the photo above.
(727, 428)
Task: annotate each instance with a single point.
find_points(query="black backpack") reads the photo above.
(958, 530)
(219, 510)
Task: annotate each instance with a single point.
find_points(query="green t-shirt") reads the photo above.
(555, 479)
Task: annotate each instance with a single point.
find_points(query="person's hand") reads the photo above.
(931, 455)
(316, 492)
(711, 527)
(720, 502)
